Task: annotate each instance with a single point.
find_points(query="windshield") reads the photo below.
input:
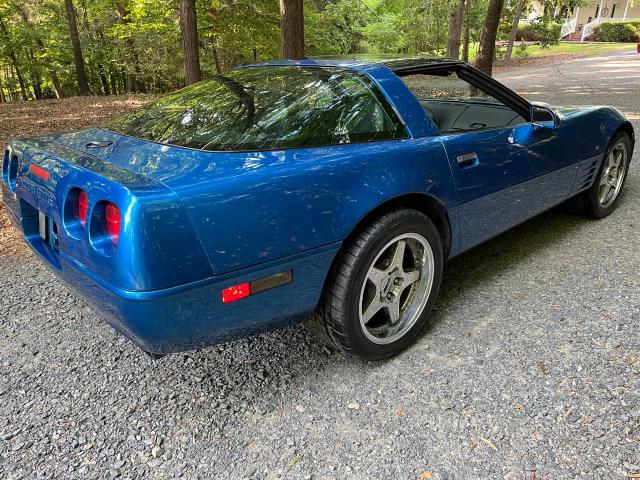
(267, 108)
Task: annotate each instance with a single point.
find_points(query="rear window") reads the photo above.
(262, 108)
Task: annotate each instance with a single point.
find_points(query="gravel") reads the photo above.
(530, 363)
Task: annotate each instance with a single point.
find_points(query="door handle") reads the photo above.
(467, 160)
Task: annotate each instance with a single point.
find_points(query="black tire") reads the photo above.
(593, 207)
(338, 313)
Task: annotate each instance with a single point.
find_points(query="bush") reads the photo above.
(545, 33)
(617, 32)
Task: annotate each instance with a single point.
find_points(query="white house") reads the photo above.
(582, 20)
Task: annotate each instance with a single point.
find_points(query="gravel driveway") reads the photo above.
(530, 366)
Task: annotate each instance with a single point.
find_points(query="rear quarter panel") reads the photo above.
(253, 207)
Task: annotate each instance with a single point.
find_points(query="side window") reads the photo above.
(454, 105)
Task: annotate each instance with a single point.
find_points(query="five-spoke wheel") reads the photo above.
(383, 285)
(613, 173)
(600, 200)
(396, 288)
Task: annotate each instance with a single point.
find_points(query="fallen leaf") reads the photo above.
(542, 367)
(399, 412)
(469, 411)
(426, 474)
(488, 442)
(518, 406)
(632, 475)
(295, 460)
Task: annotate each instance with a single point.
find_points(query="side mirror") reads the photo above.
(543, 117)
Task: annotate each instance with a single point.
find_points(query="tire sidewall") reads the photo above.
(416, 223)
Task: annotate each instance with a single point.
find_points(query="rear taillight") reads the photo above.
(83, 207)
(112, 214)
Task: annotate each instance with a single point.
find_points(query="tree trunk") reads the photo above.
(2, 97)
(103, 80)
(465, 43)
(133, 83)
(35, 76)
(291, 29)
(514, 30)
(455, 27)
(190, 48)
(81, 75)
(216, 59)
(486, 51)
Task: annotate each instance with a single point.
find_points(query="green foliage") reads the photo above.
(521, 51)
(135, 45)
(547, 33)
(617, 32)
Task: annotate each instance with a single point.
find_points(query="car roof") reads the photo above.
(364, 62)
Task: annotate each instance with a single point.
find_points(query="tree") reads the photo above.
(81, 75)
(291, 29)
(13, 58)
(514, 30)
(486, 52)
(55, 82)
(133, 63)
(190, 48)
(455, 27)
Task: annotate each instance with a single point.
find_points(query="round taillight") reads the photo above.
(83, 207)
(112, 214)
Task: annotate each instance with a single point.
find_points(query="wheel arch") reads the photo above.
(628, 129)
(422, 202)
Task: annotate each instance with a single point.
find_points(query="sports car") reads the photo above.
(327, 189)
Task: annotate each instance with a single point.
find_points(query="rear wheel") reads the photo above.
(601, 199)
(383, 286)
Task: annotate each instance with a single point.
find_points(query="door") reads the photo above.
(506, 169)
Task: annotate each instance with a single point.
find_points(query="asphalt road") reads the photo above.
(531, 363)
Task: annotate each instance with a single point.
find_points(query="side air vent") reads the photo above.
(585, 176)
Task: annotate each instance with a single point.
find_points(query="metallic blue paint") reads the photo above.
(196, 222)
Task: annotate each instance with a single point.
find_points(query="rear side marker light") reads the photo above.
(243, 290)
(83, 207)
(237, 292)
(39, 172)
(112, 214)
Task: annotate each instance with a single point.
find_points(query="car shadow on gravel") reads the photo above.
(493, 258)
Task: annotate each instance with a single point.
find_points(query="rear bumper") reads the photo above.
(192, 315)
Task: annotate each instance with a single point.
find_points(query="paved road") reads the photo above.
(531, 363)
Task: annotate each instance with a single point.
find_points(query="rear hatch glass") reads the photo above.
(266, 108)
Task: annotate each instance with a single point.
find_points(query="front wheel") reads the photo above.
(383, 286)
(601, 199)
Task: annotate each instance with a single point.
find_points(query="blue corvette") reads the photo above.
(329, 188)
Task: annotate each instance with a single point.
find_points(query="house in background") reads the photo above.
(582, 20)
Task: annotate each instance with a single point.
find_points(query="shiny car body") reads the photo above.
(195, 224)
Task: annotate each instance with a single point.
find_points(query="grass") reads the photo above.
(587, 49)
(582, 49)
